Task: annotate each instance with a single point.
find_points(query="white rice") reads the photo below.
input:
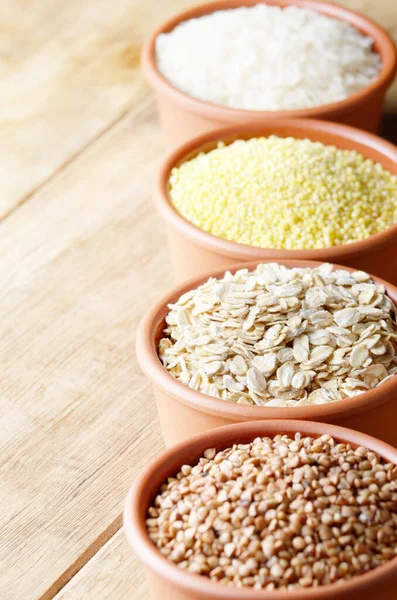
(267, 58)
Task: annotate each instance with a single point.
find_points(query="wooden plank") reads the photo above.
(68, 70)
(383, 12)
(80, 263)
(113, 573)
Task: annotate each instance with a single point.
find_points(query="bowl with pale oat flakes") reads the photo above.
(294, 340)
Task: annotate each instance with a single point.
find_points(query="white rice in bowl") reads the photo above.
(267, 58)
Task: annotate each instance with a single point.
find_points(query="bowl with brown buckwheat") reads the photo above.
(286, 340)
(276, 510)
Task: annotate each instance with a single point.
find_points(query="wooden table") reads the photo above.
(82, 256)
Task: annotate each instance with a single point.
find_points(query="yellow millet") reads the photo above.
(285, 193)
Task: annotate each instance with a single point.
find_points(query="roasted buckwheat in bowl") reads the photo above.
(277, 510)
(294, 339)
(287, 190)
(232, 61)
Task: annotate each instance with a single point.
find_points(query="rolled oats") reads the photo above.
(282, 337)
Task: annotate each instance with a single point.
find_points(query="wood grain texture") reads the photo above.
(68, 71)
(82, 256)
(113, 573)
(80, 263)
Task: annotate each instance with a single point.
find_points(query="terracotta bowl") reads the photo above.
(183, 116)
(193, 251)
(185, 412)
(169, 582)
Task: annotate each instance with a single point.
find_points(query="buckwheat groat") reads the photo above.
(279, 513)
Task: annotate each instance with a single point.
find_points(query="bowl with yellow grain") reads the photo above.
(289, 189)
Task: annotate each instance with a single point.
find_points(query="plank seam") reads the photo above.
(83, 559)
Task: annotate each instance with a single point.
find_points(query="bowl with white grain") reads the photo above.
(228, 62)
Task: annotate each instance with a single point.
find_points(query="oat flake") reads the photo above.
(282, 337)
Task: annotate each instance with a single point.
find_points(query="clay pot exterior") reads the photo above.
(194, 251)
(184, 412)
(169, 582)
(182, 116)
